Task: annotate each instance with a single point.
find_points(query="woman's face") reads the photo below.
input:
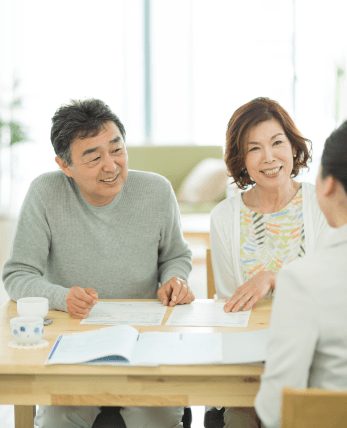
(269, 155)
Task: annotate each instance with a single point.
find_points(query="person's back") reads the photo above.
(325, 276)
(308, 338)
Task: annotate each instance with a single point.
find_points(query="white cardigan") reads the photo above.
(225, 238)
(308, 340)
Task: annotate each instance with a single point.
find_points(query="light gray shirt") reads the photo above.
(124, 250)
(308, 333)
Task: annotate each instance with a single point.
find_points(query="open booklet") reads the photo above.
(123, 345)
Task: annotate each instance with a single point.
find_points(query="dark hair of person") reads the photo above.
(334, 157)
(80, 119)
(243, 120)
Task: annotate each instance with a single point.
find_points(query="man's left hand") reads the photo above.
(175, 292)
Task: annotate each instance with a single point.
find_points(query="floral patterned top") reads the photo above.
(270, 241)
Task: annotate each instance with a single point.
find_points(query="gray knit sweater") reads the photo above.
(124, 250)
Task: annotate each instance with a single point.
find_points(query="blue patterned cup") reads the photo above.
(27, 330)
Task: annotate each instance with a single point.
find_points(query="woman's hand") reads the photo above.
(251, 291)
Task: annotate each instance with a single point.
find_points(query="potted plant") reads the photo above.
(11, 132)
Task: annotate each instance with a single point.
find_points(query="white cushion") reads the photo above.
(206, 182)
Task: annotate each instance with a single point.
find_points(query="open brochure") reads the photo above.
(123, 345)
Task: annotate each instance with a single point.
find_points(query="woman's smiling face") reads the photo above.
(269, 154)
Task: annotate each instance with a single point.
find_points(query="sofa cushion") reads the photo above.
(173, 162)
(205, 183)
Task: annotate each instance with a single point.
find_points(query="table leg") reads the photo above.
(24, 416)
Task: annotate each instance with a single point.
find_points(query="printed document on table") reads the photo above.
(207, 314)
(126, 313)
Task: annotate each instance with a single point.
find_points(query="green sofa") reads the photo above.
(175, 163)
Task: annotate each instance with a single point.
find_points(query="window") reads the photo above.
(180, 84)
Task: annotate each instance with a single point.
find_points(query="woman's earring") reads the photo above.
(295, 155)
(245, 171)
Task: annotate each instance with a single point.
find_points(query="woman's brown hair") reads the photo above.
(243, 120)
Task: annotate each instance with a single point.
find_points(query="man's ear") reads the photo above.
(63, 165)
(329, 186)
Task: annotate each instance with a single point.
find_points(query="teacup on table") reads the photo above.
(27, 330)
(32, 306)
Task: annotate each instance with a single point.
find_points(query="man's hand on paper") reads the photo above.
(175, 292)
(251, 291)
(80, 301)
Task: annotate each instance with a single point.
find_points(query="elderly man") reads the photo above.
(96, 230)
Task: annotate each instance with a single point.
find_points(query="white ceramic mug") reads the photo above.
(32, 306)
(27, 330)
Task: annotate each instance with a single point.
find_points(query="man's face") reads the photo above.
(99, 165)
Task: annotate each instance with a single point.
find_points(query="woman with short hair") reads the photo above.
(258, 231)
(308, 339)
(277, 220)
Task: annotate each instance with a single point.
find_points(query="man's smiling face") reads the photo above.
(99, 165)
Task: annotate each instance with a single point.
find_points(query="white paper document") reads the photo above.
(243, 348)
(123, 345)
(207, 314)
(178, 348)
(126, 313)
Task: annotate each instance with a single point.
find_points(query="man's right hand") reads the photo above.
(80, 301)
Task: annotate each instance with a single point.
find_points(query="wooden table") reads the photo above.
(25, 381)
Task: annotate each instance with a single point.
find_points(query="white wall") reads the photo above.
(6, 232)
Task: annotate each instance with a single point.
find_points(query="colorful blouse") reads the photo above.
(270, 241)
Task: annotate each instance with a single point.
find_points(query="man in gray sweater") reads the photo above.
(96, 230)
